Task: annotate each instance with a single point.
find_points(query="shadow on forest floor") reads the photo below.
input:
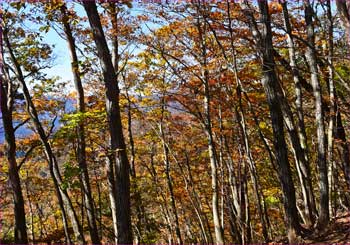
(337, 232)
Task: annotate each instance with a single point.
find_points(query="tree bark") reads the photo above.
(61, 193)
(333, 106)
(117, 143)
(270, 83)
(303, 165)
(6, 99)
(319, 116)
(169, 180)
(81, 151)
(344, 11)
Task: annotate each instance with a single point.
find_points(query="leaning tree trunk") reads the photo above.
(319, 114)
(81, 152)
(62, 194)
(117, 143)
(270, 83)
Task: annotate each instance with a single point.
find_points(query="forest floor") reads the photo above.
(337, 232)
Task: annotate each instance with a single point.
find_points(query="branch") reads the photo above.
(27, 155)
(21, 124)
(52, 126)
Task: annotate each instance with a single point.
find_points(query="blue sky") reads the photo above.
(61, 66)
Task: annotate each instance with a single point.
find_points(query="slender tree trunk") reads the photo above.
(140, 212)
(343, 148)
(319, 116)
(168, 176)
(302, 161)
(118, 148)
(170, 184)
(62, 194)
(211, 145)
(164, 205)
(270, 83)
(31, 211)
(198, 203)
(333, 107)
(344, 11)
(81, 152)
(252, 168)
(213, 165)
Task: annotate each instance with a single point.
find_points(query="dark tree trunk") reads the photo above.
(118, 148)
(270, 83)
(81, 152)
(62, 194)
(6, 100)
(10, 151)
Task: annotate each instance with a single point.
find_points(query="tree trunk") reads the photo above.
(219, 235)
(81, 152)
(169, 180)
(213, 165)
(31, 211)
(333, 107)
(118, 148)
(252, 168)
(344, 11)
(20, 230)
(270, 83)
(140, 212)
(343, 147)
(319, 116)
(303, 166)
(62, 194)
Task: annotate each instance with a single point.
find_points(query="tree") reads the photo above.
(120, 190)
(319, 114)
(81, 149)
(7, 100)
(270, 83)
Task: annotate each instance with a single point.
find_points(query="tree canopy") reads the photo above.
(174, 122)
